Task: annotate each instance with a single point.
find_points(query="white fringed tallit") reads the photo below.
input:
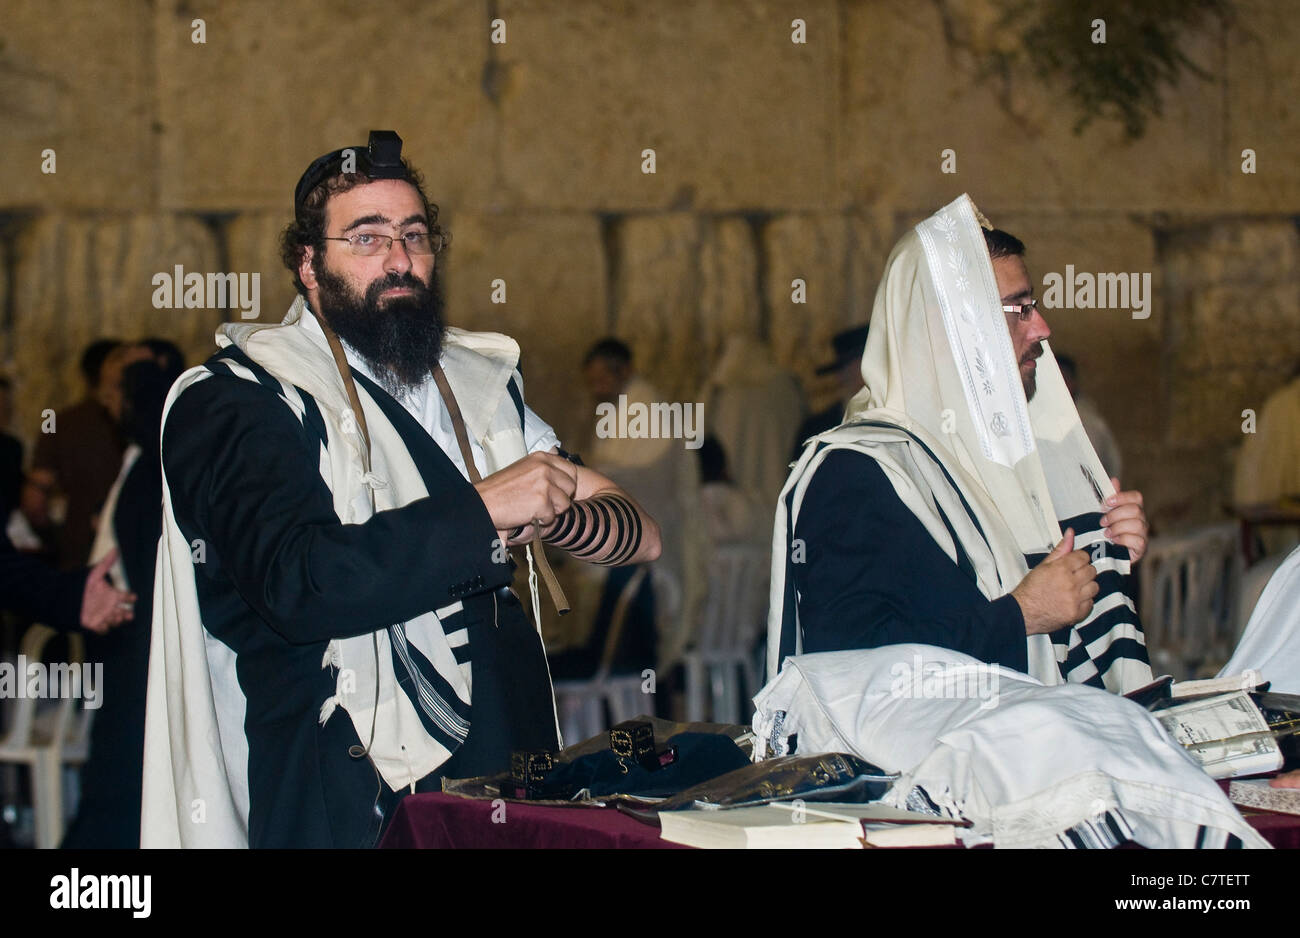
(1028, 765)
(1271, 642)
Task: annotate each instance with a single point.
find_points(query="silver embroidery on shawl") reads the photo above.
(984, 357)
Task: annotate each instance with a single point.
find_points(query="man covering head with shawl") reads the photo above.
(980, 518)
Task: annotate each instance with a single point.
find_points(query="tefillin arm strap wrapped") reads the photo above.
(462, 440)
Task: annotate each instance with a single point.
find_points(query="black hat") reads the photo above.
(381, 159)
(848, 346)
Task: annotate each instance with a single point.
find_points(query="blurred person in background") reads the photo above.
(730, 516)
(79, 459)
(847, 368)
(753, 407)
(663, 474)
(1268, 474)
(11, 455)
(129, 528)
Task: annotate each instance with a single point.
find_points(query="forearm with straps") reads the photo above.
(462, 440)
(604, 529)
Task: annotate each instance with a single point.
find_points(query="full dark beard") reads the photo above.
(400, 339)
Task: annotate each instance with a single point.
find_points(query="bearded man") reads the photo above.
(934, 514)
(335, 625)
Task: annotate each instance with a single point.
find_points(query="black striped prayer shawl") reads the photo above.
(444, 715)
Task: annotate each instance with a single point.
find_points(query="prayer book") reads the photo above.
(911, 835)
(760, 827)
(785, 825)
(1247, 680)
(1227, 734)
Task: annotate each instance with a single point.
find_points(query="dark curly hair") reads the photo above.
(308, 229)
(1001, 244)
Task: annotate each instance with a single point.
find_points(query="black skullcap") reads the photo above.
(381, 159)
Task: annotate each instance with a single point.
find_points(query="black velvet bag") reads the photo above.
(700, 757)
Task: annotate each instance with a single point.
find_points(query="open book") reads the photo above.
(1227, 734)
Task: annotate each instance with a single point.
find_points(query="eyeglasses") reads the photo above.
(1024, 311)
(367, 244)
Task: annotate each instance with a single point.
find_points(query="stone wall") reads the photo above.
(774, 161)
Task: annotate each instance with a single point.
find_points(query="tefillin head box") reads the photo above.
(635, 740)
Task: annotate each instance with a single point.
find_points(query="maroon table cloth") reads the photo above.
(440, 821)
(1280, 830)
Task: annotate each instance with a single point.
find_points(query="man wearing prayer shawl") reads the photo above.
(960, 504)
(333, 620)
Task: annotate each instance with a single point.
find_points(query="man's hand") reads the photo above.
(103, 605)
(1286, 780)
(1126, 522)
(603, 536)
(537, 487)
(1058, 592)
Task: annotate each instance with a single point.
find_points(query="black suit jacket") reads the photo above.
(282, 576)
(873, 576)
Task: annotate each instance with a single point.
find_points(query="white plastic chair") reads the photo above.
(720, 654)
(581, 704)
(1189, 585)
(47, 741)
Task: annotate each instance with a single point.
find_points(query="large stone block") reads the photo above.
(911, 92)
(76, 77)
(252, 243)
(657, 297)
(813, 249)
(278, 84)
(79, 279)
(729, 301)
(871, 238)
(1235, 344)
(739, 115)
(1263, 250)
(1232, 335)
(552, 269)
(1263, 88)
(1182, 485)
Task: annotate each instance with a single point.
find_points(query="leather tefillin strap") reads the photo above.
(345, 371)
(604, 529)
(462, 439)
(357, 751)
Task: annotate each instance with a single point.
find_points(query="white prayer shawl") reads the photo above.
(1028, 765)
(196, 752)
(1271, 642)
(105, 533)
(940, 371)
